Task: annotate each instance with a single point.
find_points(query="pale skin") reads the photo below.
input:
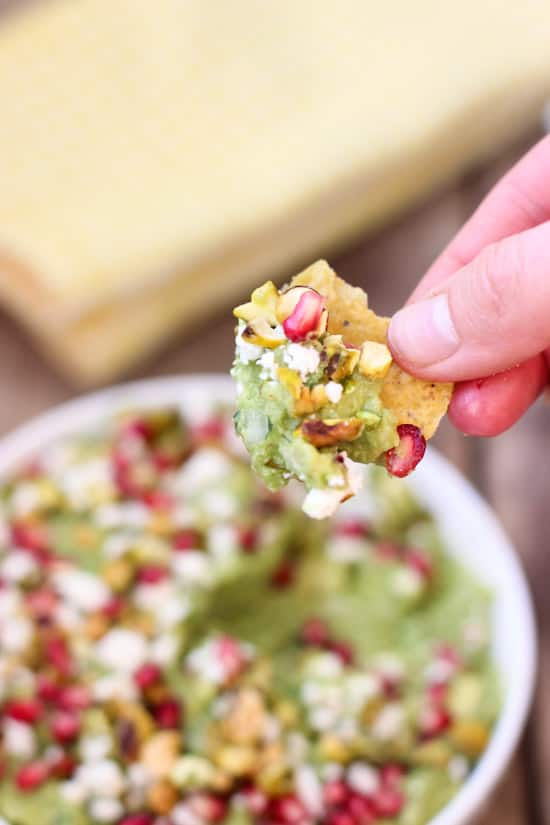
(481, 314)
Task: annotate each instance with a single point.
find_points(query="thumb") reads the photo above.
(491, 315)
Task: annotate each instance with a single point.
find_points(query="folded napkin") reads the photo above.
(156, 159)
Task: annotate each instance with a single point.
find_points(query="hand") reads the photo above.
(481, 314)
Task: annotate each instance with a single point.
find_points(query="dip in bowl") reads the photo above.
(180, 646)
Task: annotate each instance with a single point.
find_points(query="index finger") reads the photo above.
(519, 201)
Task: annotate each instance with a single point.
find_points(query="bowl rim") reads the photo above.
(75, 415)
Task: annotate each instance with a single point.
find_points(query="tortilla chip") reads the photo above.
(422, 403)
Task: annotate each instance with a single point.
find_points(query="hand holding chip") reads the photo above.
(481, 314)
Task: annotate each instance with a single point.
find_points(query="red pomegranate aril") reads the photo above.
(65, 727)
(419, 561)
(168, 713)
(387, 802)
(25, 710)
(58, 655)
(401, 460)
(343, 650)
(289, 809)
(152, 574)
(33, 537)
(283, 576)
(187, 540)
(47, 688)
(231, 656)
(340, 818)
(147, 675)
(305, 317)
(361, 809)
(336, 793)
(212, 429)
(157, 500)
(433, 721)
(449, 654)
(352, 528)
(315, 632)
(255, 800)
(208, 807)
(437, 692)
(75, 697)
(137, 819)
(63, 766)
(113, 607)
(136, 428)
(387, 550)
(41, 603)
(248, 539)
(32, 775)
(392, 775)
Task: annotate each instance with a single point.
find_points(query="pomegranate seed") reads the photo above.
(58, 655)
(75, 697)
(315, 632)
(208, 808)
(113, 607)
(391, 775)
(387, 802)
(361, 809)
(283, 576)
(402, 460)
(168, 713)
(33, 537)
(388, 550)
(254, 799)
(336, 793)
(47, 688)
(41, 603)
(187, 540)
(340, 818)
(136, 428)
(25, 710)
(157, 500)
(352, 528)
(289, 809)
(420, 561)
(152, 574)
(390, 685)
(343, 650)
(231, 656)
(248, 539)
(433, 721)
(63, 766)
(147, 675)
(137, 819)
(65, 727)
(437, 692)
(305, 317)
(449, 654)
(32, 775)
(164, 461)
(212, 429)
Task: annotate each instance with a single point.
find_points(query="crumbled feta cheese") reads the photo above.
(19, 739)
(26, 498)
(207, 467)
(332, 772)
(105, 809)
(131, 514)
(182, 814)
(122, 650)
(95, 748)
(304, 360)
(324, 666)
(458, 768)
(173, 611)
(118, 543)
(320, 504)
(114, 686)
(222, 541)
(346, 549)
(268, 365)
(81, 589)
(16, 634)
(10, 602)
(439, 671)
(220, 504)
(407, 582)
(73, 792)
(245, 352)
(334, 391)
(322, 718)
(164, 650)
(192, 567)
(389, 722)
(18, 566)
(82, 483)
(101, 778)
(363, 778)
(309, 790)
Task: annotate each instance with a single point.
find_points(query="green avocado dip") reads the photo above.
(311, 404)
(179, 645)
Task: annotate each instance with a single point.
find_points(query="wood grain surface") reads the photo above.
(512, 471)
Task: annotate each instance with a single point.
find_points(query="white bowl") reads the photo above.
(471, 532)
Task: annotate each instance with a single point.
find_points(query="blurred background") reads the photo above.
(159, 159)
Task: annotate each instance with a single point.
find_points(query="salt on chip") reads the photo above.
(422, 403)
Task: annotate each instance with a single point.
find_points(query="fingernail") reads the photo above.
(423, 334)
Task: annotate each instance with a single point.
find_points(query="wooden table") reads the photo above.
(512, 471)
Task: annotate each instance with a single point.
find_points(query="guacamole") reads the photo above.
(180, 645)
(318, 392)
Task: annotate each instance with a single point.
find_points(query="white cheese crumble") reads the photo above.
(18, 566)
(105, 809)
(363, 778)
(19, 739)
(407, 582)
(16, 634)
(245, 352)
(309, 790)
(206, 467)
(101, 778)
(122, 650)
(334, 391)
(304, 360)
(389, 722)
(81, 589)
(268, 365)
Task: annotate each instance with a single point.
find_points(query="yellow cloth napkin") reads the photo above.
(156, 159)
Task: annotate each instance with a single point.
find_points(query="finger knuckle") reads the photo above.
(499, 276)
